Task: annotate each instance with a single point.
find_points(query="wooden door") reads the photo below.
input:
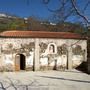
(17, 62)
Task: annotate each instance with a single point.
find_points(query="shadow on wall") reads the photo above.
(82, 67)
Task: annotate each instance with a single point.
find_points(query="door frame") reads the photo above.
(18, 62)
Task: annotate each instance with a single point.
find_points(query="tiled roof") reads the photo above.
(40, 34)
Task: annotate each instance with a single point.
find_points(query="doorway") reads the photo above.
(22, 62)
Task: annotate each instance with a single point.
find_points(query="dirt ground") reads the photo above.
(44, 80)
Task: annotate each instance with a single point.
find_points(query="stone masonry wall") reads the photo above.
(53, 53)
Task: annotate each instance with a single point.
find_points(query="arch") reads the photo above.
(52, 48)
(20, 62)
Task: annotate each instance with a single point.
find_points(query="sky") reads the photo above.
(26, 8)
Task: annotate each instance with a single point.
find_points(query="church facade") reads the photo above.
(40, 50)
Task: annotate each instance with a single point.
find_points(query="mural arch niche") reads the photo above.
(52, 55)
(78, 55)
(20, 62)
(47, 57)
(52, 48)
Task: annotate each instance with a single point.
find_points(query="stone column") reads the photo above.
(36, 55)
(69, 58)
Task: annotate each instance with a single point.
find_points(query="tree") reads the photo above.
(71, 11)
(79, 12)
(64, 10)
(12, 24)
(67, 9)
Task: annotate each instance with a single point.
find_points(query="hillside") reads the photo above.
(12, 22)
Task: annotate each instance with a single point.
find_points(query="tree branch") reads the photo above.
(78, 12)
(87, 4)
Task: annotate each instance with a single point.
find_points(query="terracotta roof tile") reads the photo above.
(40, 34)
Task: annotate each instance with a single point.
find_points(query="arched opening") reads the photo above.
(51, 48)
(22, 62)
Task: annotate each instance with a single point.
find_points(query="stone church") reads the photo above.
(41, 50)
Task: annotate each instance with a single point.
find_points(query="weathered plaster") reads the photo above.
(37, 52)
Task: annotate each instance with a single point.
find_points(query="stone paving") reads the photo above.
(45, 80)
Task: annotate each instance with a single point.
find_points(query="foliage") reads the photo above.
(78, 50)
(12, 24)
(43, 47)
(36, 24)
(67, 9)
(44, 25)
(62, 49)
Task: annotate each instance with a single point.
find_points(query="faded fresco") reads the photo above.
(52, 56)
(19, 53)
(11, 52)
(78, 55)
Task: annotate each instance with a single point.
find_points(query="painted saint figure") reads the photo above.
(51, 49)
